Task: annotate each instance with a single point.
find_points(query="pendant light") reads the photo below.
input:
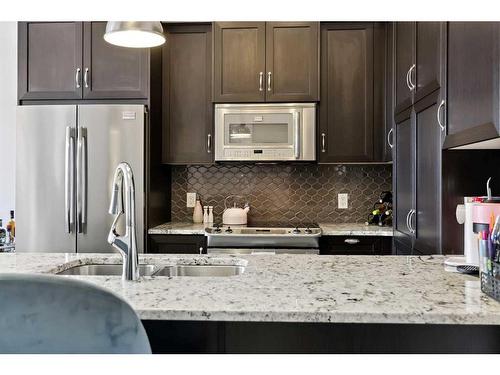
(134, 34)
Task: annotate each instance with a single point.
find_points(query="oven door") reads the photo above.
(262, 133)
(244, 251)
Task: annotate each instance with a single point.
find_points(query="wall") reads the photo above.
(283, 192)
(8, 94)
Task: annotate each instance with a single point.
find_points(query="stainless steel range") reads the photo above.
(258, 238)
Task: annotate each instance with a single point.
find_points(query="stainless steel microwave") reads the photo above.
(265, 132)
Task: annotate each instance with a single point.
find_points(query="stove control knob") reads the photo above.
(217, 228)
(308, 230)
(296, 231)
(229, 230)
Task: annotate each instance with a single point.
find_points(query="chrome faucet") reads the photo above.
(123, 183)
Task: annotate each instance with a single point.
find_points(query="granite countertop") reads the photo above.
(291, 288)
(329, 229)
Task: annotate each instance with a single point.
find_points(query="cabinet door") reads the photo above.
(430, 57)
(473, 71)
(50, 60)
(239, 62)
(112, 72)
(187, 106)
(355, 245)
(346, 108)
(405, 45)
(427, 219)
(292, 61)
(404, 170)
(177, 244)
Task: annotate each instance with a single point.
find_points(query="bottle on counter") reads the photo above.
(205, 214)
(210, 214)
(198, 212)
(11, 228)
(3, 234)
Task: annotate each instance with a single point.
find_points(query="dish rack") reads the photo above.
(490, 282)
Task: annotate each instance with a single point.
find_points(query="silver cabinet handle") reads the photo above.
(411, 85)
(77, 78)
(296, 140)
(261, 81)
(351, 241)
(389, 136)
(438, 115)
(410, 217)
(209, 143)
(408, 220)
(85, 78)
(323, 149)
(81, 160)
(69, 182)
(269, 81)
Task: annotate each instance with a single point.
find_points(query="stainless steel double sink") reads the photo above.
(155, 270)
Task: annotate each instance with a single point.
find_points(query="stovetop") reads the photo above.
(273, 224)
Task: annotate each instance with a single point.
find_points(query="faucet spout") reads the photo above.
(123, 201)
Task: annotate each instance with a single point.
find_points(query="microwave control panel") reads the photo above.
(259, 154)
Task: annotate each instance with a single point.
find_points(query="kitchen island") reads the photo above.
(280, 303)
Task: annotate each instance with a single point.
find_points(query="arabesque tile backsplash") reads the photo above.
(283, 192)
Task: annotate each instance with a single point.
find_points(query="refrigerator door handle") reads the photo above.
(69, 182)
(82, 179)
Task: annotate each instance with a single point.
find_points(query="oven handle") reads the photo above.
(296, 120)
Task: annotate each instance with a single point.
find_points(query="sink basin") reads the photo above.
(200, 270)
(106, 270)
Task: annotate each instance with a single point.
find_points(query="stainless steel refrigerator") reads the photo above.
(65, 159)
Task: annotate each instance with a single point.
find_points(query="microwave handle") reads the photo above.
(296, 140)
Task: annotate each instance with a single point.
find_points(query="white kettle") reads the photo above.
(235, 215)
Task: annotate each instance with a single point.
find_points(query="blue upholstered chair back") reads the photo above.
(54, 314)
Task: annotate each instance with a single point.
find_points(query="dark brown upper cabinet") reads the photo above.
(50, 60)
(292, 61)
(472, 83)
(239, 61)
(405, 64)
(431, 55)
(187, 104)
(71, 61)
(259, 61)
(348, 86)
(112, 72)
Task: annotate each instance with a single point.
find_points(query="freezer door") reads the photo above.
(107, 135)
(45, 171)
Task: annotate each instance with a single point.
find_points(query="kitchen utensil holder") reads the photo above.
(490, 282)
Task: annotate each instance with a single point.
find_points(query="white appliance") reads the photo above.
(265, 132)
(464, 214)
(235, 215)
(65, 160)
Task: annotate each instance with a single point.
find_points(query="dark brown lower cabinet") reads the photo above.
(177, 244)
(355, 245)
(182, 336)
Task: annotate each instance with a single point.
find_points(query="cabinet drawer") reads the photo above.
(355, 245)
(177, 244)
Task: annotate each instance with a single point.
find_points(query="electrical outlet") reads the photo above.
(343, 200)
(190, 199)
